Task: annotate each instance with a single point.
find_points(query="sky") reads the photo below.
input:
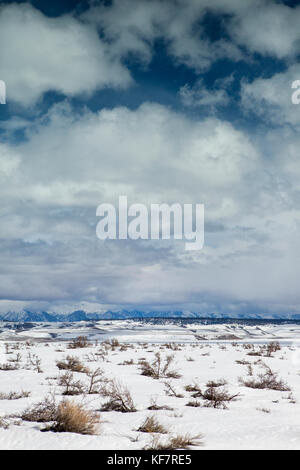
(184, 101)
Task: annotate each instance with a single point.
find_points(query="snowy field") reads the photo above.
(222, 382)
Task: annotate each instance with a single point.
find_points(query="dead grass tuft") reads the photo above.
(72, 417)
(152, 425)
(181, 441)
(14, 395)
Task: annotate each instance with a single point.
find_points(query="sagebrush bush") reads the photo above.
(73, 417)
(119, 397)
(193, 403)
(41, 412)
(14, 395)
(216, 383)
(71, 386)
(9, 366)
(71, 363)
(79, 342)
(272, 347)
(171, 391)
(159, 368)
(214, 396)
(268, 380)
(217, 398)
(96, 378)
(155, 407)
(152, 425)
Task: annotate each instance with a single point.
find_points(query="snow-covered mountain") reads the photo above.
(81, 315)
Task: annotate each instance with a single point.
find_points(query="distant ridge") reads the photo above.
(81, 315)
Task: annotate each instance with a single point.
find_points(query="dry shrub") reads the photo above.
(171, 391)
(114, 343)
(192, 388)
(111, 344)
(41, 412)
(72, 417)
(9, 366)
(3, 423)
(255, 353)
(183, 441)
(71, 363)
(79, 342)
(96, 378)
(71, 386)
(159, 368)
(151, 424)
(119, 397)
(193, 403)
(173, 346)
(217, 398)
(269, 380)
(272, 347)
(129, 362)
(33, 361)
(214, 396)
(14, 395)
(155, 407)
(243, 362)
(216, 383)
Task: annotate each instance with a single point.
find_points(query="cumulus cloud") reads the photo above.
(271, 98)
(262, 26)
(70, 163)
(79, 160)
(267, 27)
(67, 54)
(132, 27)
(61, 54)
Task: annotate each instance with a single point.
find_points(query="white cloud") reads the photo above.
(39, 53)
(132, 26)
(267, 27)
(199, 95)
(70, 164)
(271, 98)
(78, 160)
(66, 54)
(9, 161)
(263, 26)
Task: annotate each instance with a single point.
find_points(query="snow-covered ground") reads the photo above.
(134, 331)
(256, 419)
